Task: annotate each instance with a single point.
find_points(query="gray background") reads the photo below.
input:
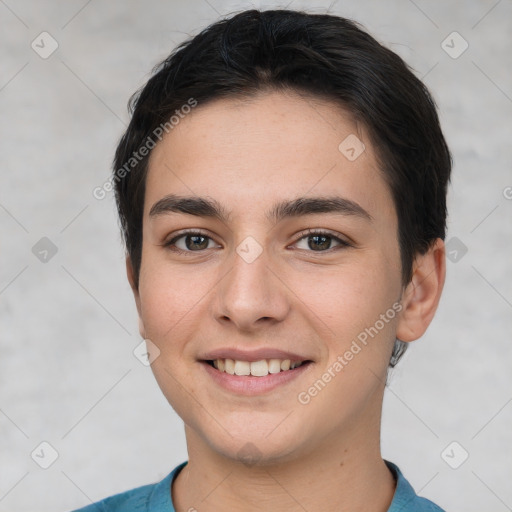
(68, 325)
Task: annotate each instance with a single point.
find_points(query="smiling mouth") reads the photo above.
(260, 368)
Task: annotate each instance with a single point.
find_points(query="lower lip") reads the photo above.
(249, 385)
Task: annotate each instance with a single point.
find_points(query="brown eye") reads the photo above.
(319, 241)
(190, 242)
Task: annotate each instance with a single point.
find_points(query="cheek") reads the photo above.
(353, 308)
(170, 300)
(348, 297)
(170, 304)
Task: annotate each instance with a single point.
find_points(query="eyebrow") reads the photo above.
(206, 207)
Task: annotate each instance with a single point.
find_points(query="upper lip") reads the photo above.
(252, 355)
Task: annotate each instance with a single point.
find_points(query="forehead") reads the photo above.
(247, 153)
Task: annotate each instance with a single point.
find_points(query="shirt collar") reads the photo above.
(160, 498)
(404, 493)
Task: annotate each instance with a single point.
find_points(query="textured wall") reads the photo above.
(68, 325)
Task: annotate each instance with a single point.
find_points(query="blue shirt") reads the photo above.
(157, 497)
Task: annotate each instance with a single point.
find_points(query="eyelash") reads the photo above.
(306, 234)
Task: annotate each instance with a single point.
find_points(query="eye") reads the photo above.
(312, 240)
(320, 241)
(191, 241)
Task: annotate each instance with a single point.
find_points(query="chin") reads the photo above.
(256, 447)
(257, 454)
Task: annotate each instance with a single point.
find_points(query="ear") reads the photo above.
(130, 273)
(422, 294)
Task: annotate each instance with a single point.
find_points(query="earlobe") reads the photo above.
(131, 279)
(421, 296)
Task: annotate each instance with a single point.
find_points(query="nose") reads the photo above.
(251, 296)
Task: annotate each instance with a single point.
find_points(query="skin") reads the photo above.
(247, 155)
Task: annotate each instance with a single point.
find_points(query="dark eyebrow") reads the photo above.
(199, 206)
(204, 207)
(312, 205)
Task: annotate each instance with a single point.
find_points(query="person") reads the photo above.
(281, 189)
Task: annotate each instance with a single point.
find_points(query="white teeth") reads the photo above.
(256, 368)
(259, 368)
(229, 366)
(242, 368)
(274, 366)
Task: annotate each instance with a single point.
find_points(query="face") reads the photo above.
(286, 251)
